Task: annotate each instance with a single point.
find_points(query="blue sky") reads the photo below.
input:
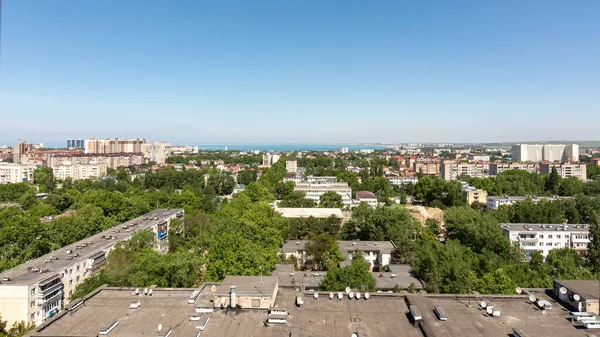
(300, 71)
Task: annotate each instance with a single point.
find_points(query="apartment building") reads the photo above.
(36, 290)
(548, 152)
(494, 202)
(545, 237)
(479, 157)
(270, 158)
(365, 196)
(376, 253)
(155, 152)
(473, 194)
(11, 173)
(114, 145)
(75, 144)
(452, 170)
(291, 165)
(497, 168)
(112, 160)
(314, 191)
(79, 171)
(565, 170)
(428, 168)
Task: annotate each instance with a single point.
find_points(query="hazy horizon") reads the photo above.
(269, 71)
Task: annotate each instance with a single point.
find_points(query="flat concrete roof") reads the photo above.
(515, 312)
(168, 307)
(558, 228)
(248, 285)
(54, 262)
(308, 212)
(588, 289)
(384, 247)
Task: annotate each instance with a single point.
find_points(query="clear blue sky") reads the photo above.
(300, 71)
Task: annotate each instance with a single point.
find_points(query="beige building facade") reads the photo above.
(16, 173)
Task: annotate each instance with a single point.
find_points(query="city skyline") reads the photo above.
(298, 72)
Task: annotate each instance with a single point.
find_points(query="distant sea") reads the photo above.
(288, 147)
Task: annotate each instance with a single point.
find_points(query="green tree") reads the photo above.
(323, 252)
(553, 181)
(331, 199)
(356, 276)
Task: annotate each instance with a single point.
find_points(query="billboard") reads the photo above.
(161, 230)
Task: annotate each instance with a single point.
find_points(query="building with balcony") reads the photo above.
(400, 181)
(545, 237)
(452, 170)
(494, 202)
(36, 290)
(16, 173)
(291, 165)
(578, 171)
(79, 171)
(497, 168)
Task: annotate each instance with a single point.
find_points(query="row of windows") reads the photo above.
(550, 236)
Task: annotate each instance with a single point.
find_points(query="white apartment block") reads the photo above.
(399, 181)
(314, 191)
(291, 166)
(452, 170)
(547, 152)
(566, 170)
(497, 168)
(79, 171)
(156, 152)
(36, 290)
(479, 157)
(365, 196)
(376, 253)
(112, 160)
(270, 158)
(494, 202)
(16, 173)
(545, 237)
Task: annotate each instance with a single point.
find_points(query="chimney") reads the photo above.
(233, 297)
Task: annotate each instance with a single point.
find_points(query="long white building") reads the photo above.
(451, 170)
(545, 237)
(566, 170)
(314, 191)
(547, 152)
(494, 202)
(16, 173)
(38, 289)
(79, 171)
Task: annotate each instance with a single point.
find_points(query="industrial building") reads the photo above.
(545, 237)
(36, 290)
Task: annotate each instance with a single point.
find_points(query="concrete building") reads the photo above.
(497, 168)
(112, 160)
(36, 290)
(545, 152)
(494, 202)
(155, 152)
(452, 170)
(321, 179)
(580, 295)
(578, 171)
(16, 173)
(248, 292)
(376, 253)
(365, 196)
(79, 171)
(270, 158)
(114, 145)
(400, 181)
(428, 168)
(319, 213)
(543, 237)
(473, 194)
(315, 191)
(295, 177)
(479, 157)
(75, 144)
(291, 165)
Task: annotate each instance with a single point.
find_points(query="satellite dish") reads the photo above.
(316, 295)
(519, 290)
(358, 296)
(347, 290)
(483, 304)
(563, 290)
(340, 296)
(150, 292)
(351, 295)
(137, 291)
(213, 288)
(580, 306)
(330, 296)
(532, 298)
(159, 327)
(576, 297)
(540, 303)
(367, 295)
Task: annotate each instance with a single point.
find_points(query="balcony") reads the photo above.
(47, 302)
(41, 294)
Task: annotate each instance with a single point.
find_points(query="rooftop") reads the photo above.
(308, 212)
(365, 195)
(55, 261)
(384, 247)
(248, 285)
(523, 198)
(588, 289)
(544, 227)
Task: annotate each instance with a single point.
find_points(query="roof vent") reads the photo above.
(135, 305)
(107, 330)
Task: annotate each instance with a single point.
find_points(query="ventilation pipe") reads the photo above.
(233, 297)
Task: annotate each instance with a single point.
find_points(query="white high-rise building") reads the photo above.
(546, 152)
(16, 173)
(156, 152)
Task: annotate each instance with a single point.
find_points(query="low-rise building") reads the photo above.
(16, 173)
(295, 177)
(315, 191)
(545, 237)
(479, 157)
(565, 170)
(497, 168)
(319, 213)
(400, 181)
(291, 165)
(494, 202)
(36, 290)
(248, 292)
(578, 295)
(365, 196)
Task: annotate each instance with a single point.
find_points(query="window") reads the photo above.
(550, 236)
(256, 303)
(558, 236)
(78, 265)
(70, 282)
(566, 236)
(549, 244)
(77, 278)
(32, 304)
(33, 316)
(541, 243)
(32, 291)
(541, 236)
